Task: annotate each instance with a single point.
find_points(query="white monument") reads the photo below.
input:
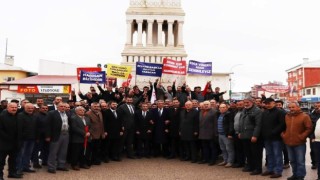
(154, 32)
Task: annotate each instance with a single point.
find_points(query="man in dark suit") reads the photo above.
(10, 139)
(58, 135)
(79, 134)
(161, 129)
(144, 128)
(189, 129)
(126, 114)
(174, 137)
(107, 95)
(56, 101)
(114, 129)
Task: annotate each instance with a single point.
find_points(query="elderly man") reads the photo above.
(207, 134)
(10, 139)
(298, 128)
(29, 133)
(97, 131)
(189, 130)
(57, 134)
(249, 132)
(79, 134)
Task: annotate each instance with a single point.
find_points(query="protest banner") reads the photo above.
(92, 77)
(148, 69)
(201, 68)
(118, 71)
(174, 67)
(87, 69)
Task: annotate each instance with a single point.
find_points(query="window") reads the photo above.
(313, 91)
(308, 92)
(7, 79)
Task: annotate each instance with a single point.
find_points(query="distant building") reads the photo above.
(275, 90)
(304, 81)
(9, 72)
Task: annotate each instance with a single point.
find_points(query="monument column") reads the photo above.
(139, 40)
(159, 32)
(129, 32)
(180, 34)
(150, 33)
(170, 33)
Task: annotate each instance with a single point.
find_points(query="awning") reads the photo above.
(310, 99)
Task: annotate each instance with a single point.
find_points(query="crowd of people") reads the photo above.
(196, 126)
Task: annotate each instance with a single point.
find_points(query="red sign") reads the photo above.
(174, 67)
(275, 88)
(87, 69)
(30, 89)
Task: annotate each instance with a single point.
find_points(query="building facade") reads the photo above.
(303, 80)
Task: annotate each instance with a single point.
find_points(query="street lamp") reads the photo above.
(230, 80)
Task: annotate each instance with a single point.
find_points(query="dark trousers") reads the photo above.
(175, 146)
(77, 156)
(313, 153)
(113, 147)
(285, 154)
(317, 150)
(11, 161)
(127, 141)
(253, 152)
(95, 149)
(104, 151)
(40, 151)
(238, 148)
(143, 148)
(160, 149)
(190, 148)
(209, 151)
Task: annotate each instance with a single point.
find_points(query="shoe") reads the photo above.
(37, 166)
(115, 159)
(44, 164)
(96, 163)
(314, 167)
(51, 171)
(85, 167)
(131, 157)
(106, 160)
(19, 172)
(267, 173)
(62, 169)
(222, 164)
(211, 163)
(194, 161)
(228, 165)
(255, 172)
(202, 162)
(246, 169)
(14, 175)
(299, 178)
(291, 177)
(29, 170)
(286, 166)
(76, 168)
(275, 176)
(1, 178)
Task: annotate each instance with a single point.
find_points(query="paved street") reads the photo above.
(145, 169)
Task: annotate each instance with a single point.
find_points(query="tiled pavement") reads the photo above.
(158, 168)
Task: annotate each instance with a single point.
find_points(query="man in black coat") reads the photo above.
(106, 95)
(113, 127)
(161, 129)
(144, 127)
(174, 138)
(10, 139)
(189, 130)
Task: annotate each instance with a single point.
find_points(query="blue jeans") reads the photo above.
(274, 155)
(24, 156)
(227, 149)
(297, 159)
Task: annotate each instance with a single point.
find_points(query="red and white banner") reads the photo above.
(44, 89)
(174, 67)
(87, 69)
(275, 88)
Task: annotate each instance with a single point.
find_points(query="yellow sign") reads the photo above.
(118, 71)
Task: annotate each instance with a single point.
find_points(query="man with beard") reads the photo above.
(10, 139)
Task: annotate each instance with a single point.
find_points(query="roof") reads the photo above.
(307, 64)
(5, 67)
(45, 79)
